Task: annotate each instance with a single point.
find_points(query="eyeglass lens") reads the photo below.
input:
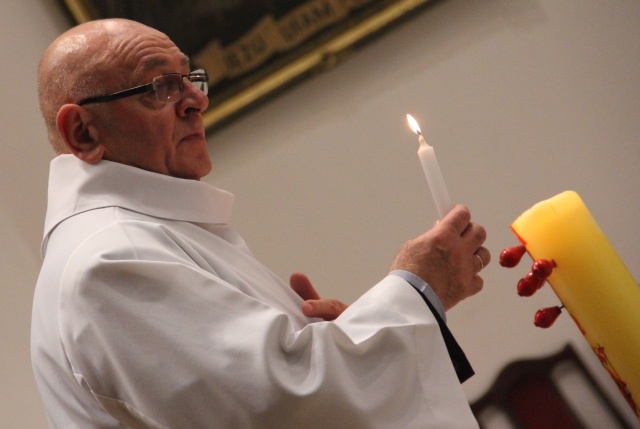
(169, 87)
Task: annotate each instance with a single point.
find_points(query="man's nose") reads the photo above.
(193, 99)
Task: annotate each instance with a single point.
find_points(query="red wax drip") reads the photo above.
(510, 257)
(545, 317)
(542, 268)
(529, 284)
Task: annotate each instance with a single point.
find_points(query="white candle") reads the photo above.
(432, 171)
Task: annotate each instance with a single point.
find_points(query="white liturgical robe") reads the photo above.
(151, 312)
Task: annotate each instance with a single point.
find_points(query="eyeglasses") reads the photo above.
(168, 88)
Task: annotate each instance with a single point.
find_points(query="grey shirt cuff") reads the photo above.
(423, 287)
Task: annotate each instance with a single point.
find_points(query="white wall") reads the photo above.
(26, 28)
(521, 100)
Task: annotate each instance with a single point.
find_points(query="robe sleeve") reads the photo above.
(161, 343)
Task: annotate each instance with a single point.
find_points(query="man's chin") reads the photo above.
(194, 169)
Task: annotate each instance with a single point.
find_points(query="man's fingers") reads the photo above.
(484, 255)
(457, 219)
(327, 309)
(314, 306)
(301, 285)
(475, 235)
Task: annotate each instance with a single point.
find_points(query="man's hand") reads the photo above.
(314, 306)
(448, 257)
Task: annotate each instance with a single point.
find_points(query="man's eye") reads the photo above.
(150, 100)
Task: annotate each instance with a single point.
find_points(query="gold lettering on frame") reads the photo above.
(252, 49)
(308, 19)
(269, 37)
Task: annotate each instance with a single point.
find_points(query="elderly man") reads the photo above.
(150, 311)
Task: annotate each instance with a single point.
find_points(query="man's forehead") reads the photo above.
(156, 63)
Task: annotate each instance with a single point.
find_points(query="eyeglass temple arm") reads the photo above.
(117, 95)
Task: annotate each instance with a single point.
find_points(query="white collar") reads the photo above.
(75, 187)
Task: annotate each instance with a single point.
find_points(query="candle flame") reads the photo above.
(413, 124)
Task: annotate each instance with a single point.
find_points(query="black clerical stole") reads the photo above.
(457, 356)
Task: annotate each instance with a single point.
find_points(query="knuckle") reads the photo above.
(441, 241)
(479, 233)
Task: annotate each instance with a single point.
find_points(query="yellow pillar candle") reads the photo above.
(592, 283)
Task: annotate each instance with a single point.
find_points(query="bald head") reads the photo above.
(82, 62)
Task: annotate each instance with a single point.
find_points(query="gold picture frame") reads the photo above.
(261, 47)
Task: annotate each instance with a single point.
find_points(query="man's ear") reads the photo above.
(76, 128)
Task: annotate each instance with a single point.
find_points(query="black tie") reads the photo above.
(457, 356)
